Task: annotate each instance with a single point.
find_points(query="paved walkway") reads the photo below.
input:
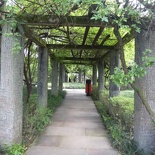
(76, 129)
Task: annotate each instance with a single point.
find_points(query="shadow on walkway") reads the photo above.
(76, 129)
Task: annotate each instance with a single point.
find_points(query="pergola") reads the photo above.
(75, 40)
(91, 44)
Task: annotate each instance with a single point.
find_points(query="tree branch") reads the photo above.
(137, 90)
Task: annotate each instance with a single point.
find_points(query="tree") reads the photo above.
(30, 66)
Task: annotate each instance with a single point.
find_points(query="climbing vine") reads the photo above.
(128, 14)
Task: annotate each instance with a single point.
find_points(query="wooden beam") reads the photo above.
(78, 63)
(127, 38)
(98, 35)
(79, 47)
(35, 38)
(77, 59)
(85, 35)
(84, 38)
(76, 21)
(104, 40)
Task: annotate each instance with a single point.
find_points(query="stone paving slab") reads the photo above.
(76, 129)
(40, 150)
(85, 142)
(65, 131)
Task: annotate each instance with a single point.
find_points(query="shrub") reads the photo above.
(36, 118)
(117, 114)
(95, 92)
(15, 149)
(121, 139)
(55, 100)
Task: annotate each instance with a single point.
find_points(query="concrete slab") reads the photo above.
(76, 129)
(102, 152)
(97, 132)
(85, 142)
(40, 150)
(46, 140)
(84, 124)
(64, 131)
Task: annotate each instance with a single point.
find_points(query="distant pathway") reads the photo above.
(76, 129)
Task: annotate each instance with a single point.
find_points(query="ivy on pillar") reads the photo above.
(54, 89)
(42, 75)
(11, 94)
(144, 128)
(114, 90)
(100, 77)
(94, 75)
(61, 77)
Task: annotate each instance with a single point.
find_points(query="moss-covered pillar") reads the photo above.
(61, 76)
(11, 93)
(94, 75)
(100, 77)
(114, 90)
(54, 87)
(42, 75)
(144, 128)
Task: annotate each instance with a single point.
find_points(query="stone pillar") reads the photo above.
(144, 128)
(61, 77)
(54, 89)
(114, 90)
(11, 93)
(80, 76)
(66, 77)
(94, 75)
(42, 75)
(84, 76)
(100, 77)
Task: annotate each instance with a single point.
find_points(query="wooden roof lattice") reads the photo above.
(77, 38)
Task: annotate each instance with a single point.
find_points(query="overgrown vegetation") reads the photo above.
(117, 114)
(15, 149)
(37, 117)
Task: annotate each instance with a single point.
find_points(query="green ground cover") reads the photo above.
(117, 114)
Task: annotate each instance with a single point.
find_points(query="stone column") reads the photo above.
(114, 90)
(54, 89)
(61, 77)
(66, 77)
(84, 76)
(94, 75)
(11, 93)
(42, 75)
(144, 128)
(80, 76)
(100, 77)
